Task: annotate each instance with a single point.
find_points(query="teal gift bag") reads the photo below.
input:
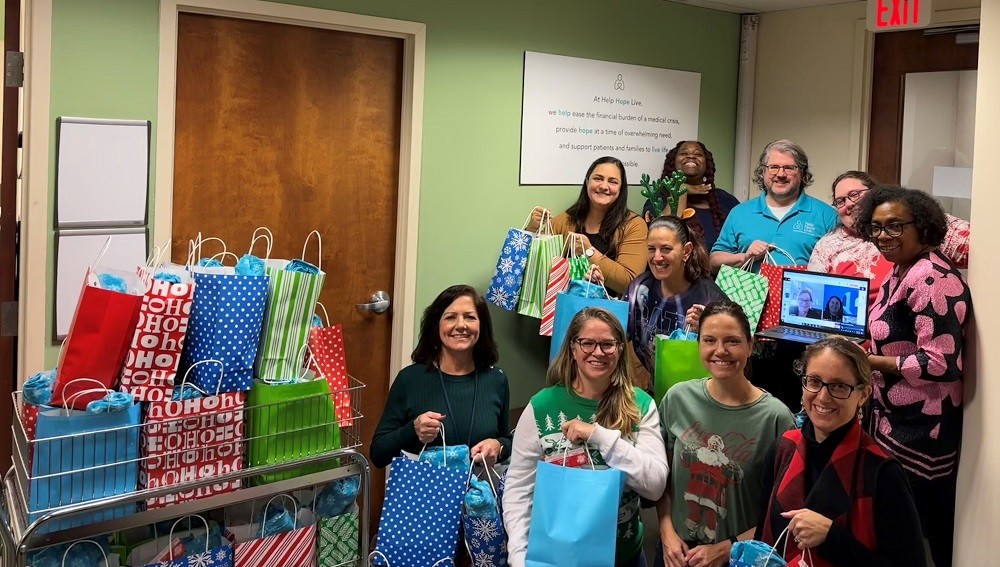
(579, 296)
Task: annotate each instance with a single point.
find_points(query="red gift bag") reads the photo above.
(295, 548)
(329, 359)
(155, 351)
(774, 274)
(558, 282)
(99, 336)
(190, 440)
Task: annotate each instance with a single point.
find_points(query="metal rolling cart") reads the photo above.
(24, 526)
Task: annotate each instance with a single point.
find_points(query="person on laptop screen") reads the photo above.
(834, 310)
(805, 305)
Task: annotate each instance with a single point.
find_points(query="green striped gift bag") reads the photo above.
(291, 302)
(545, 247)
(338, 539)
(746, 288)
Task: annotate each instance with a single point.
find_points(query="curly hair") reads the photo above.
(785, 147)
(697, 266)
(718, 218)
(485, 353)
(614, 219)
(928, 216)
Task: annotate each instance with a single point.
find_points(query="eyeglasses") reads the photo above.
(785, 168)
(589, 345)
(837, 389)
(891, 230)
(853, 196)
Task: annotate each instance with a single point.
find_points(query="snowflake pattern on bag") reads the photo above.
(505, 286)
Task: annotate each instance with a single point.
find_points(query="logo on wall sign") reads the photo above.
(619, 83)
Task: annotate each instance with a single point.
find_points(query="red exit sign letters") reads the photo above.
(892, 15)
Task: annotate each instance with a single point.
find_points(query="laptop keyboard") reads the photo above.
(804, 333)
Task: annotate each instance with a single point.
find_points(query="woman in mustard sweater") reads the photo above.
(605, 231)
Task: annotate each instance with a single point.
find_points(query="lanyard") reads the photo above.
(451, 412)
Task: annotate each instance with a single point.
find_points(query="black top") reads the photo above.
(417, 389)
(895, 512)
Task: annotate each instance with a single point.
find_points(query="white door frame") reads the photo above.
(37, 227)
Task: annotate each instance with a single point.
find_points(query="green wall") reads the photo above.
(105, 64)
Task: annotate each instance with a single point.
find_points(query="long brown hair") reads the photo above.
(613, 225)
(618, 409)
(696, 267)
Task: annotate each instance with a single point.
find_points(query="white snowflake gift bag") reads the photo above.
(482, 523)
(505, 287)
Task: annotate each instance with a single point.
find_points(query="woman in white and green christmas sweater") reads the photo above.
(591, 401)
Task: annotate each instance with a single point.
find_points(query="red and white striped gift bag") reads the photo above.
(296, 548)
(558, 282)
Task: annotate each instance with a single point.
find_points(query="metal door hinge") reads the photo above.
(8, 319)
(13, 72)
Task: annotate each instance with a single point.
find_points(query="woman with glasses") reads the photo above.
(590, 406)
(717, 431)
(604, 230)
(837, 492)
(846, 251)
(917, 327)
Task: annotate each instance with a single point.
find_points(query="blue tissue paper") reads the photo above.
(209, 263)
(336, 497)
(111, 282)
(82, 555)
(167, 277)
(185, 392)
(37, 390)
(250, 265)
(682, 335)
(112, 402)
(275, 520)
(195, 542)
(581, 288)
(457, 457)
(317, 321)
(301, 266)
(480, 501)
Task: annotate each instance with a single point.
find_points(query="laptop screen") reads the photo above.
(825, 302)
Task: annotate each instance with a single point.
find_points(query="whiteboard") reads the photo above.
(102, 172)
(577, 110)
(76, 250)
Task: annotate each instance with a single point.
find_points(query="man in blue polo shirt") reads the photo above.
(784, 216)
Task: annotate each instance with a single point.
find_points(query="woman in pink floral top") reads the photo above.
(917, 328)
(846, 251)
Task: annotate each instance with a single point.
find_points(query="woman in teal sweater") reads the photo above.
(452, 385)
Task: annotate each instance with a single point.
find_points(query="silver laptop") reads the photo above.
(815, 305)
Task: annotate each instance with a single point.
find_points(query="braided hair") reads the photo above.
(670, 164)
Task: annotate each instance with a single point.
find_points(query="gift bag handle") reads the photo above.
(262, 232)
(295, 510)
(489, 479)
(569, 246)
(325, 314)
(69, 401)
(372, 555)
(62, 393)
(769, 257)
(195, 246)
(222, 374)
(585, 451)
(784, 549)
(545, 212)
(319, 245)
(590, 274)
(444, 448)
(223, 255)
(170, 536)
(75, 543)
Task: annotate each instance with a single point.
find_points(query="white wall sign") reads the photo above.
(577, 110)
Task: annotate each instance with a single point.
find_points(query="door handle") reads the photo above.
(379, 303)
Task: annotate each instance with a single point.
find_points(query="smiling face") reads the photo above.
(784, 183)
(834, 306)
(826, 412)
(604, 185)
(459, 326)
(597, 366)
(691, 160)
(723, 346)
(805, 302)
(666, 255)
(850, 191)
(902, 249)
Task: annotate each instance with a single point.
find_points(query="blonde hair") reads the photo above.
(617, 409)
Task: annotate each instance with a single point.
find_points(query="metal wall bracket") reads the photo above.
(13, 72)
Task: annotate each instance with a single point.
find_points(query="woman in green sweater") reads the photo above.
(451, 385)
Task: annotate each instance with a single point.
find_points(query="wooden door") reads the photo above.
(895, 55)
(297, 128)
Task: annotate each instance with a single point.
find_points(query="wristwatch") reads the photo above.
(589, 252)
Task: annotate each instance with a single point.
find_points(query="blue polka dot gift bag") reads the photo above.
(421, 516)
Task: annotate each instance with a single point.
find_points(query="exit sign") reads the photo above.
(892, 15)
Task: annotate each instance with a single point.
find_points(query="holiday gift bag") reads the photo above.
(221, 556)
(293, 548)
(505, 286)
(579, 296)
(226, 317)
(81, 456)
(158, 341)
(482, 521)
(559, 276)
(290, 421)
(545, 247)
(101, 331)
(677, 360)
(293, 290)
(421, 516)
(80, 553)
(191, 439)
(329, 360)
(570, 531)
(338, 539)
(774, 273)
(746, 288)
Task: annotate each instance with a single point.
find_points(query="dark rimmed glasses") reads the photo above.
(891, 230)
(853, 196)
(589, 345)
(786, 168)
(838, 390)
